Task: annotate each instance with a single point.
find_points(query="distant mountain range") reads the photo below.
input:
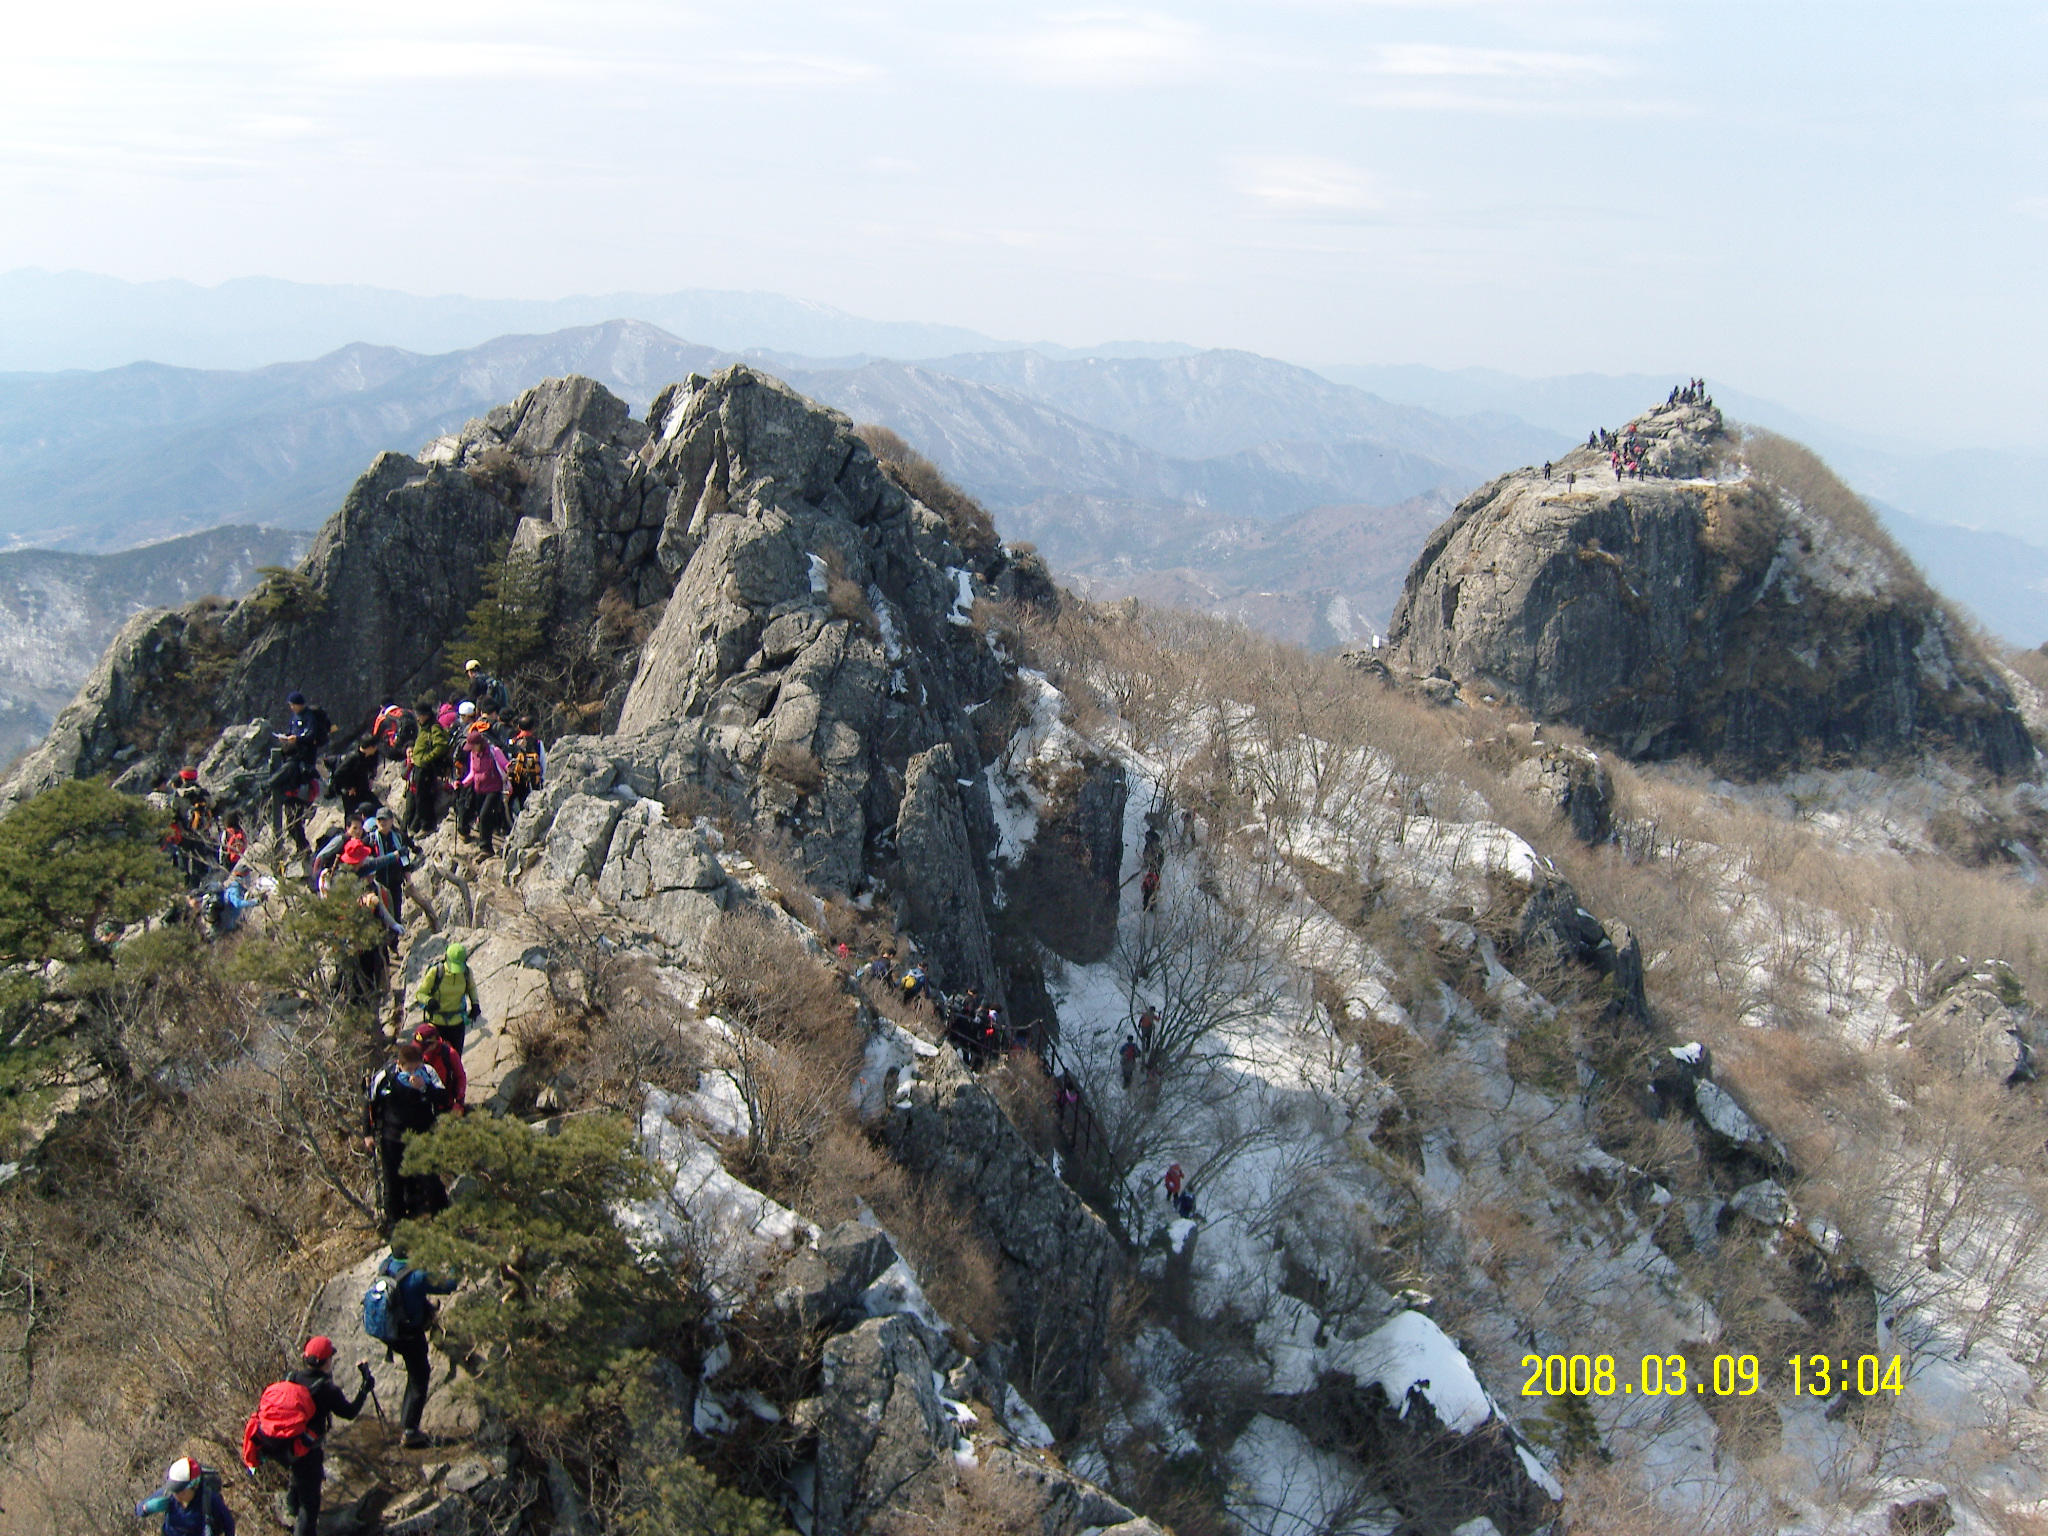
(57, 610)
(1137, 467)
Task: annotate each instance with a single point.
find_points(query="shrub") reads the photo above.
(966, 519)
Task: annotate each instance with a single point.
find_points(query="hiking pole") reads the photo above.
(376, 1402)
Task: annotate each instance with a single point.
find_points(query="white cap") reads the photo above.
(182, 1472)
(472, 665)
(466, 709)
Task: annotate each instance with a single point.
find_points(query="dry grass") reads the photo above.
(966, 519)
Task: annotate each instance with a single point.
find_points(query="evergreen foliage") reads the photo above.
(77, 863)
(283, 595)
(566, 1302)
(507, 627)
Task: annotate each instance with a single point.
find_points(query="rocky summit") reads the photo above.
(1726, 599)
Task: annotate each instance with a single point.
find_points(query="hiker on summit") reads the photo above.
(404, 1100)
(290, 1427)
(426, 765)
(447, 996)
(190, 1502)
(482, 789)
(296, 783)
(397, 1312)
(488, 693)
(528, 763)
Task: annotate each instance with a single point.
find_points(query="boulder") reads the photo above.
(942, 896)
(665, 878)
(1758, 620)
(510, 988)
(1572, 783)
(1971, 1030)
(823, 1282)
(883, 1436)
(578, 840)
(337, 1311)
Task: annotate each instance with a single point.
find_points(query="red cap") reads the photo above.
(319, 1349)
(354, 852)
(189, 775)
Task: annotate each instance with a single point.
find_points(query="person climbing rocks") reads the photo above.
(446, 996)
(486, 691)
(1127, 1055)
(398, 1311)
(290, 1427)
(327, 853)
(234, 842)
(528, 764)
(1148, 889)
(396, 855)
(403, 1101)
(482, 788)
(189, 1501)
(426, 766)
(916, 984)
(1173, 1181)
(391, 729)
(447, 1064)
(353, 780)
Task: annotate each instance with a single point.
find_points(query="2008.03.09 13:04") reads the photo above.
(1728, 1376)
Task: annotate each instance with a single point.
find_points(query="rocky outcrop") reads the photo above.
(117, 714)
(882, 1430)
(1060, 1263)
(943, 902)
(1974, 1023)
(1737, 604)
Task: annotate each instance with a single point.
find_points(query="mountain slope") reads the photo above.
(57, 610)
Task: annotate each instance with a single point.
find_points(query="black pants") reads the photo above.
(454, 1028)
(419, 1371)
(485, 813)
(423, 806)
(418, 1195)
(303, 1498)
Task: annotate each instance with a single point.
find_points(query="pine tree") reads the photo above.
(507, 625)
(78, 862)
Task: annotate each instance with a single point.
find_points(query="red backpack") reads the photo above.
(281, 1427)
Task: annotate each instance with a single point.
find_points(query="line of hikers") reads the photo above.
(423, 1080)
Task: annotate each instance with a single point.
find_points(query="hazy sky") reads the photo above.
(1840, 205)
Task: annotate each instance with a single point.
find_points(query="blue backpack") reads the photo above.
(384, 1309)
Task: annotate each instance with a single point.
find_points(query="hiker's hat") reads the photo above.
(295, 697)
(188, 775)
(181, 1474)
(472, 665)
(319, 1349)
(465, 709)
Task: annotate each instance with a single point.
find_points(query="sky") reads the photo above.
(1841, 206)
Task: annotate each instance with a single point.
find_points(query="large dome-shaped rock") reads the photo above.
(1739, 605)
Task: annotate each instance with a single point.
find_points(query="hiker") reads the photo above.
(879, 969)
(395, 854)
(447, 1064)
(296, 783)
(962, 1021)
(916, 984)
(1184, 1202)
(290, 1427)
(447, 996)
(1546, 469)
(391, 729)
(1148, 1021)
(403, 1100)
(1127, 1053)
(1173, 1182)
(1148, 889)
(327, 853)
(190, 1502)
(528, 763)
(352, 781)
(426, 763)
(397, 1312)
(482, 789)
(234, 842)
(486, 690)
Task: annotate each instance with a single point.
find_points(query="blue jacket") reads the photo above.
(190, 1519)
(414, 1287)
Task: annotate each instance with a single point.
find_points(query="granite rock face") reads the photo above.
(1737, 604)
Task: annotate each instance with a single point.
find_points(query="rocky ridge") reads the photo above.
(1735, 604)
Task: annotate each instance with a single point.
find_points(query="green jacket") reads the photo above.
(431, 748)
(443, 991)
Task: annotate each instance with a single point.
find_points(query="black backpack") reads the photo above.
(323, 727)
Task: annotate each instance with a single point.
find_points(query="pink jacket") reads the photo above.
(487, 770)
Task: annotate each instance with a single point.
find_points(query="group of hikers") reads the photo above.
(294, 1415)
(423, 1080)
(466, 752)
(1627, 453)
